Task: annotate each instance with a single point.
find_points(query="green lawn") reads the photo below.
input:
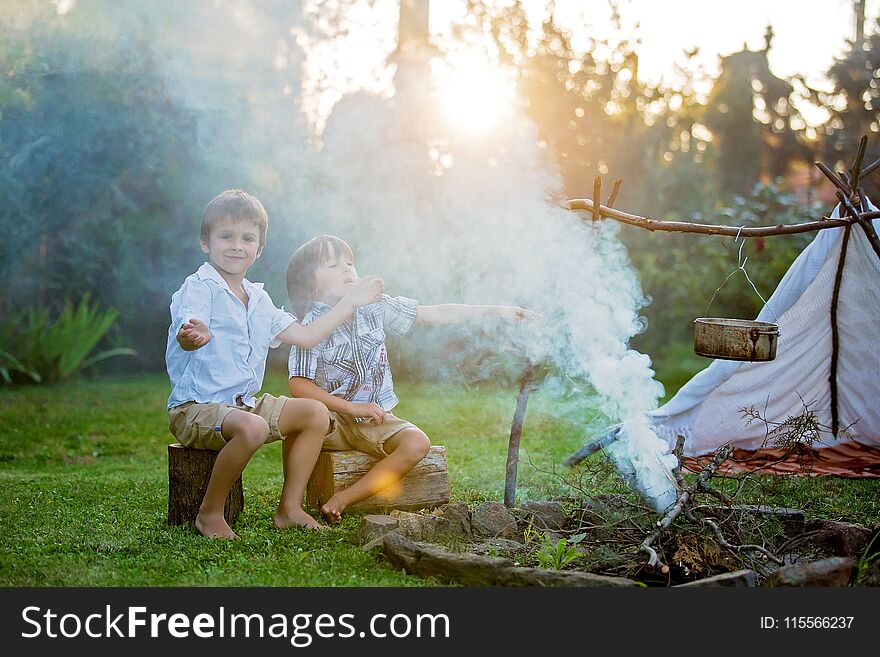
(84, 475)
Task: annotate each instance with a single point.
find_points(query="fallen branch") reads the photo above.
(653, 560)
(594, 446)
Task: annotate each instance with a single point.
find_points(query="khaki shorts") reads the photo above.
(199, 425)
(366, 436)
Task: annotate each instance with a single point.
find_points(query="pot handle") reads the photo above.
(756, 332)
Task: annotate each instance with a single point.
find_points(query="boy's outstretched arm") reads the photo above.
(193, 334)
(451, 313)
(367, 290)
(302, 387)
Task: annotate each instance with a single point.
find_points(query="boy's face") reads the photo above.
(233, 246)
(334, 276)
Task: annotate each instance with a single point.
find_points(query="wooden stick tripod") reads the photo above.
(856, 210)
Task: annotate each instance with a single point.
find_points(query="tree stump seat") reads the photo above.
(188, 473)
(424, 487)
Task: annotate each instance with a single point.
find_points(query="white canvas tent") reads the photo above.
(707, 410)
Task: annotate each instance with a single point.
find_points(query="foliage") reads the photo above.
(556, 555)
(853, 104)
(43, 348)
(868, 558)
(10, 365)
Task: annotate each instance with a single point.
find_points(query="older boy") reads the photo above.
(222, 326)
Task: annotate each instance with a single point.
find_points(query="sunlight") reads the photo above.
(475, 94)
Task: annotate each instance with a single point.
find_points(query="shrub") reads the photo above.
(40, 348)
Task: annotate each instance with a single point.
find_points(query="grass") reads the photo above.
(84, 473)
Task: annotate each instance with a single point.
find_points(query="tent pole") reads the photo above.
(832, 376)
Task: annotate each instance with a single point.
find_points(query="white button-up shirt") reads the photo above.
(231, 366)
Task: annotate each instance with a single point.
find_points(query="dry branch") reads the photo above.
(586, 205)
(653, 560)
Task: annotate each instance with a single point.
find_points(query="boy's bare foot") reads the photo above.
(214, 527)
(296, 518)
(332, 509)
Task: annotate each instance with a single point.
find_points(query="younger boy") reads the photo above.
(222, 326)
(349, 370)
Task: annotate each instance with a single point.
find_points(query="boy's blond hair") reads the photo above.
(302, 266)
(237, 205)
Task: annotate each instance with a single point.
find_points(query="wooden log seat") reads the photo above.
(424, 487)
(188, 473)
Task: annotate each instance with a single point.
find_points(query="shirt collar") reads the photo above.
(322, 308)
(207, 272)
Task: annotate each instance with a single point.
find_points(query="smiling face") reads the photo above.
(232, 247)
(334, 275)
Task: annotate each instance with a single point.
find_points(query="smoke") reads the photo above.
(338, 137)
(448, 215)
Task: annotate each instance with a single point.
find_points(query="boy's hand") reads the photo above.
(193, 334)
(367, 290)
(374, 412)
(517, 314)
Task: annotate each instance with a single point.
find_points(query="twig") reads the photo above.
(730, 546)
(679, 455)
(857, 163)
(597, 190)
(653, 560)
(870, 169)
(609, 202)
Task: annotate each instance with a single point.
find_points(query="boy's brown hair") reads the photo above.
(302, 266)
(237, 205)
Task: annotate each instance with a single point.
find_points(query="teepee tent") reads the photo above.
(815, 408)
(818, 331)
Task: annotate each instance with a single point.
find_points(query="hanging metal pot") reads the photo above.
(735, 339)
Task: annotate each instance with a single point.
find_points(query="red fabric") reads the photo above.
(849, 459)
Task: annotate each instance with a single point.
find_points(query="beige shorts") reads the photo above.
(366, 436)
(200, 425)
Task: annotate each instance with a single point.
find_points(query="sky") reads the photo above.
(808, 34)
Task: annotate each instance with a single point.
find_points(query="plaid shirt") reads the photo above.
(352, 362)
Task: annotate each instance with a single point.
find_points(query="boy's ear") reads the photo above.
(260, 251)
(204, 246)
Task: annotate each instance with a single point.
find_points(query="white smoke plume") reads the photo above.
(443, 214)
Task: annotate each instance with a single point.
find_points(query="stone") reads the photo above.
(834, 571)
(422, 527)
(545, 515)
(372, 526)
(497, 545)
(841, 539)
(492, 519)
(740, 578)
(459, 516)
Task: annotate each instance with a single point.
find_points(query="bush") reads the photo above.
(35, 347)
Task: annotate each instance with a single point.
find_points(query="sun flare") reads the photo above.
(475, 95)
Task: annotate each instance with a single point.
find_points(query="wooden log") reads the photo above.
(424, 487)
(188, 473)
(476, 570)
